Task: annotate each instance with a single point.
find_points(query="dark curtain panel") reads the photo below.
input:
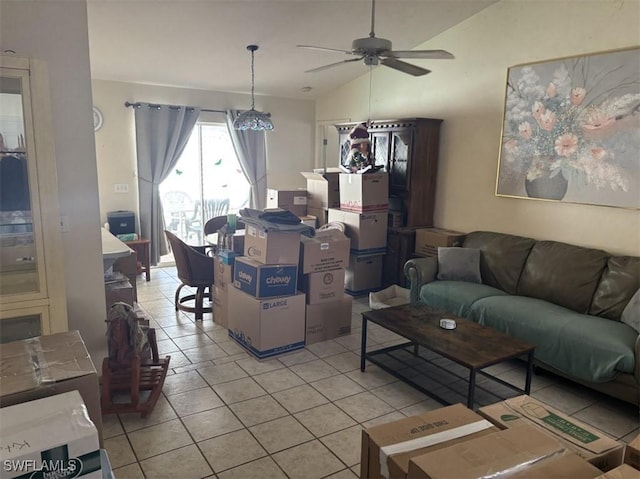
(162, 132)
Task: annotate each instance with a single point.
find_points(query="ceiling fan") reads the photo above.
(374, 51)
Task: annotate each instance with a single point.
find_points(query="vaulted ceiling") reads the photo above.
(202, 44)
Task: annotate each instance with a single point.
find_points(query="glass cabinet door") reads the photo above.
(19, 270)
(32, 286)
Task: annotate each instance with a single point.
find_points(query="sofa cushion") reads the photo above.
(619, 281)
(459, 264)
(503, 257)
(455, 297)
(563, 274)
(587, 347)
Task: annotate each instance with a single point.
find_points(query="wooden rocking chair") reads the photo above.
(133, 367)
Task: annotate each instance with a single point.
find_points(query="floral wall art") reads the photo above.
(571, 130)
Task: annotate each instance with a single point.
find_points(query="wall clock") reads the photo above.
(97, 119)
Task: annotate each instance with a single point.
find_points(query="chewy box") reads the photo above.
(51, 437)
(264, 280)
(266, 327)
(588, 442)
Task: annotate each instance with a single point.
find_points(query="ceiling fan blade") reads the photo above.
(404, 67)
(312, 47)
(432, 54)
(333, 65)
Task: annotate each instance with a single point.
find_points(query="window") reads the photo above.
(207, 181)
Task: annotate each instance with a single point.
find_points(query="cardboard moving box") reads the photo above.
(292, 200)
(273, 247)
(323, 287)
(363, 274)
(51, 437)
(624, 471)
(222, 273)
(367, 231)
(266, 327)
(494, 455)
(63, 364)
(221, 304)
(328, 320)
(264, 280)
(391, 445)
(429, 239)
(364, 193)
(323, 189)
(327, 250)
(588, 442)
(632, 452)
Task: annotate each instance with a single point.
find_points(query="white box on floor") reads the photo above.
(266, 327)
(53, 435)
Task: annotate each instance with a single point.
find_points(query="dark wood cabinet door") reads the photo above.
(400, 158)
(380, 147)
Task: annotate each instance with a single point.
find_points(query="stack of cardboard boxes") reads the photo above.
(520, 437)
(265, 312)
(323, 259)
(364, 201)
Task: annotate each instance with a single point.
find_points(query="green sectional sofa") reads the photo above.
(565, 299)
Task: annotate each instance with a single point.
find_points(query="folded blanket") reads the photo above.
(276, 220)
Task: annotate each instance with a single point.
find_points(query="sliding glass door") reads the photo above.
(206, 182)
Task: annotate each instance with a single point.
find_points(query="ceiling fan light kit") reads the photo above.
(253, 119)
(373, 51)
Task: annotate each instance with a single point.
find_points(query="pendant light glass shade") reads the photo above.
(253, 119)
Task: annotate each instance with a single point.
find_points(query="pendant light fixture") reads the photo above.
(253, 119)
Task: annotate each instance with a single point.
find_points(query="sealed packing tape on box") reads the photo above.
(51, 437)
(38, 367)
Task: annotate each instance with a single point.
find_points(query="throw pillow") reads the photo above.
(459, 264)
(631, 313)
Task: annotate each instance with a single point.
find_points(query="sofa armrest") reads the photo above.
(419, 271)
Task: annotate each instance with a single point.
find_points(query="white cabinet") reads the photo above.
(32, 289)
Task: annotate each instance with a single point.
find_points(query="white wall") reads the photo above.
(289, 145)
(468, 94)
(56, 32)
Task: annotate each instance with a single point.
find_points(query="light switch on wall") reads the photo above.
(121, 188)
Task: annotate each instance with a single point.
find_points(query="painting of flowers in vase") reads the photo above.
(571, 130)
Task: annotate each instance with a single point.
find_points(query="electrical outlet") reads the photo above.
(121, 188)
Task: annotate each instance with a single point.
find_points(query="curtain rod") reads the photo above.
(138, 105)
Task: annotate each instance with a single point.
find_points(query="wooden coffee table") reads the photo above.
(470, 345)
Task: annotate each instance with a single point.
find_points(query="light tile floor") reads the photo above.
(225, 414)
